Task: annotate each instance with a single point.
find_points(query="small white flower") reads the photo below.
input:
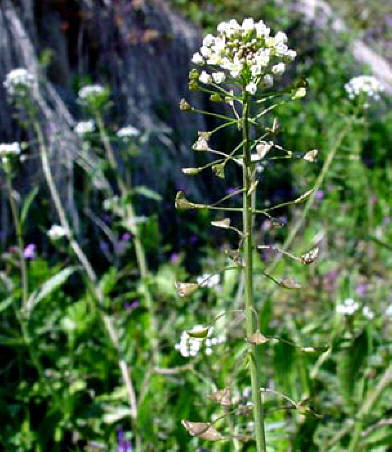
(128, 132)
(197, 59)
(56, 232)
(248, 24)
(218, 77)
(278, 69)
(208, 280)
(280, 38)
(190, 346)
(348, 307)
(208, 40)
(268, 81)
(84, 127)
(388, 311)
(9, 149)
(205, 78)
(251, 88)
(368, 313)
(19, 81)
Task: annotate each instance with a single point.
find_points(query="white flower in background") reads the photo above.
(388, 311)
(368, 313)
(190, 346)
(128, 132)
(245, 50)
(348, 307)
(56, 232)
(84, 127)
(19, 82)
(364, 85)
(90, 92)
(208, 280)
(9, 149)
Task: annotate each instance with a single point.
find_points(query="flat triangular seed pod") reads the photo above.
(311, 156)
(185, 289)
(225, 223)
(223, 397)
(289, 283)
(257, 338)
(310, 256)
(198, 332)
(202, 429)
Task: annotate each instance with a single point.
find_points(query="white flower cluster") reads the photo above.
(56, 232)
(244, 51)
(368, 313)
(364, 85)
(19, 81)
(84, 127)
(9, 149)
(208, 280)
(190, 346)
(128, 132)
(90, 92)
(348, 307)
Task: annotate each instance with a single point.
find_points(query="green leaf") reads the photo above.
(5, 304)
(147, 193)
(27, 204)
(49, 286)
(349, 363)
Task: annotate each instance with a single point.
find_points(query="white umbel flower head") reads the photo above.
(190, 346)
(365, 86)
(244, 52)
(93, 96)
(348, 307)
(208, 280)
(128, 132)
(56, 232)
(84, 127)
(19, 82)
(9, 149)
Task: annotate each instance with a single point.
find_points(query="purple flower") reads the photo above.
(319, 195)
(374, 199)
(174, 258)
(29, 251)
(361, 289)
(131, 305)
(123, 445)
(126, 237)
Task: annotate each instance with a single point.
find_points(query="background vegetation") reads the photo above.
(74, 399)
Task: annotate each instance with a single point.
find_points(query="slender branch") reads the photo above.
(139, 249)
(88, 270)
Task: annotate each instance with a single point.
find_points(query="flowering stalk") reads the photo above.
(88, 269)
(251, 313)
(19, 236)
(139, 249)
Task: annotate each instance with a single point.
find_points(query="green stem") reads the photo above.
(139, 249)
(88, 270)
(19, 235)
(251, 321)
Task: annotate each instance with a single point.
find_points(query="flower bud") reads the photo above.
(184, 105)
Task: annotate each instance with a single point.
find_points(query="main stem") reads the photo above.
(251, 313)
(139, 249)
